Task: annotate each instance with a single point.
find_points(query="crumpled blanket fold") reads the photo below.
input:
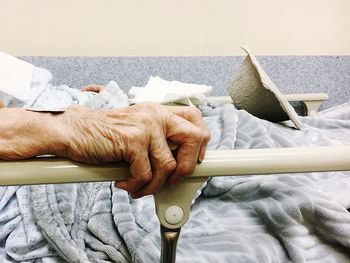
(262, 218)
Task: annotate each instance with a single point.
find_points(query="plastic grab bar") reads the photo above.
(45, 170)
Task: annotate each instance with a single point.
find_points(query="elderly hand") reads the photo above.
(141, 135)
(93, 88)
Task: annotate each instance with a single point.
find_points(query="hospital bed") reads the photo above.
(173, 204)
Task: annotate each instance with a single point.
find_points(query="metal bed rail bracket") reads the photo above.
(173, 204)
(173, 209)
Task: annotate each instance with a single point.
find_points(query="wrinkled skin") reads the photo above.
(141, 135)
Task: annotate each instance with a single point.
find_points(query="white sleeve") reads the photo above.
(15, 77)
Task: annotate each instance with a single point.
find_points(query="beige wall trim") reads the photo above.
(174, 28)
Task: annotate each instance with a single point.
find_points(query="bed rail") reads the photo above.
(173, 204)
(310, 101)
(49, 170)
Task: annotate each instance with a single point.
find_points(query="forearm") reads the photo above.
(25, 134)
(138, 134)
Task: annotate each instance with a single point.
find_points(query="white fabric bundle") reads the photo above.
(163, 91)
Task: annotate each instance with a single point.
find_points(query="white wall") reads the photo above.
(174, 27)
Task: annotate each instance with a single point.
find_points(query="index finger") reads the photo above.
(189, 139)
(194, 116)
(191, 114)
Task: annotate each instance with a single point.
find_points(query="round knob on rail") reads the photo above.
(174, 214)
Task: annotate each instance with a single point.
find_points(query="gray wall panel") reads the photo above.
(292, 74)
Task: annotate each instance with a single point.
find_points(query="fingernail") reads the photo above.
(201, 157)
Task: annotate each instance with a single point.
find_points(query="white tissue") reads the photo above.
(15, 77)
(163, 91)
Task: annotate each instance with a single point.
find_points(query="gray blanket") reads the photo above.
(274, 218)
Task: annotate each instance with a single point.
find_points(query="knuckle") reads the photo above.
(169, 165)
(144, 177)
(196, 111)
(202, 135)
(199, 135)
(186, 169)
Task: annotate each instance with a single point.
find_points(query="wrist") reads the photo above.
(45, 133)
(25, 134)
(54, 133)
